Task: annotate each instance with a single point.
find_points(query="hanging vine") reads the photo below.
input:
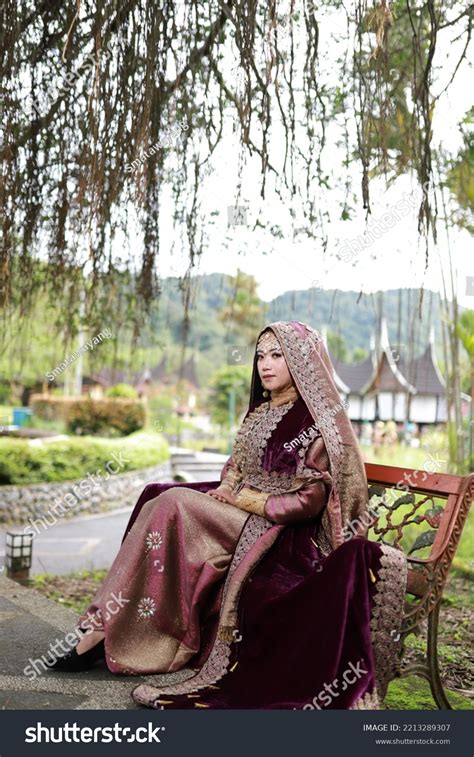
(90, 88)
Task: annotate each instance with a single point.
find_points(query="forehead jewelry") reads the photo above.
(268, 342)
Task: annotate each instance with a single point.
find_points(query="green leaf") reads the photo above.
(423, 540)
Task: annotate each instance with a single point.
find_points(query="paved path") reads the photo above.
(87, 542)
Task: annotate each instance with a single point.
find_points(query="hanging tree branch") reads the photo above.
(88, 91)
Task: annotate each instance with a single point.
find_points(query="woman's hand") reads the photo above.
(223, 495)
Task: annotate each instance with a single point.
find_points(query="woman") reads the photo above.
(265, 586)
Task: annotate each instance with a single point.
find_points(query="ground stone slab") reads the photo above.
(29, 623)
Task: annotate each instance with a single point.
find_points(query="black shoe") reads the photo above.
(74, 662)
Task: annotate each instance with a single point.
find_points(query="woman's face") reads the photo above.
(272, 369)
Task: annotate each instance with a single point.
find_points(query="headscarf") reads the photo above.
(312, 372)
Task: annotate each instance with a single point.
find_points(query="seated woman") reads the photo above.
(265, 588)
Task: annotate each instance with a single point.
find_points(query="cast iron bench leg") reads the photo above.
(436, 684)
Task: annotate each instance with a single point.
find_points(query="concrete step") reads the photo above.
(203, 458)
(196, 463)
(189, 467)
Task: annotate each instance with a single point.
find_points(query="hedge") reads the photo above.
(24, 463)
(111, 416)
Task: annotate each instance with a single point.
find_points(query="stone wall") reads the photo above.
(20, 503)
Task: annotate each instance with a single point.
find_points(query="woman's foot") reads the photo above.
(83, 656)
(88, 641)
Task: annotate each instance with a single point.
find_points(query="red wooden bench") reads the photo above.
(427, 516)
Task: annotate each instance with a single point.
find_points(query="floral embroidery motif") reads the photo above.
(146, 607)
(153, 540)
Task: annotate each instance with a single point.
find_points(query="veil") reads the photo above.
(313, 374)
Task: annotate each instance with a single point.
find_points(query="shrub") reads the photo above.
(50, 408)
(67, 460)
(106, 417)
(122, 390)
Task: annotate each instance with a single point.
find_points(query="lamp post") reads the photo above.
(18, 554)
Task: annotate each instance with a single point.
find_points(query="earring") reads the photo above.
(266, 393)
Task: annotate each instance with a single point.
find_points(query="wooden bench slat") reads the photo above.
(435, 483)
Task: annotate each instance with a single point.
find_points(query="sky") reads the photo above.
(395, 259)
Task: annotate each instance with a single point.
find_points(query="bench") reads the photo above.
(423, 513)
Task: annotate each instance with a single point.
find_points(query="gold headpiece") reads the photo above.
(268, 342)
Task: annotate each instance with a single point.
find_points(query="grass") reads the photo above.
(408, 457)
(75, 590)
(455, 642)
(414, 693)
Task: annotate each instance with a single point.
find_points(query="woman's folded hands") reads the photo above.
(245, 498)
(223, 494)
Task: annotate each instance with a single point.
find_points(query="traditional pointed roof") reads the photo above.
(152, 374)
(387, 377)
(423, 372)
(355, 375)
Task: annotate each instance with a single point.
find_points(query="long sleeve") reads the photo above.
(230, 475)
(308, 497)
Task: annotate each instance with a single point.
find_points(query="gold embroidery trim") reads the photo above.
(249, 449)
(387, 615)
(369, 701)
(251, 500)
(282, 397)
(231, 479)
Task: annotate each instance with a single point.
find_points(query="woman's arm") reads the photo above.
(231, 477)
(296, 506)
